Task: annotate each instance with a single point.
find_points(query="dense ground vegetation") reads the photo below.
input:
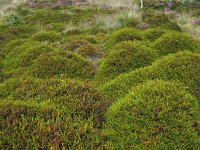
(99, 75)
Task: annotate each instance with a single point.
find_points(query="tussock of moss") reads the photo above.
(125, 34)
(12, 59)
(163, 21)
(30, 54)
(47, 36)
(158, 114)
(173, 42)
(182, 66)
(125, 57)
(152, 34)
(47, 125)
(60, 63)
(77, 96)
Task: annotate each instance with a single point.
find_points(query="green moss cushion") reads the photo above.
(182, 66)
(156, 115)
(63, 63)
(173, 42)
(125, 57)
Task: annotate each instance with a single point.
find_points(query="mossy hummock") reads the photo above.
(62, 63)
(182, 66)
(156, 115)
(125, 57)
(125, 34)
(173, 42)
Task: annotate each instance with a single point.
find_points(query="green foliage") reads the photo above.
(125, 34)
(1, 70)
(77, 96)
(13, 20)
(63, 63)
(30, 54)
(125, 57)
(21, 53)
(50, 98)
(155, 115)
(163, 21)
(46, 36)
(10, 33)
(173, 42)
(182, 66)
(44, 126)
(152, 34)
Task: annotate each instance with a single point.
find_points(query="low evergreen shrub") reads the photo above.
(162, 21)
(15, 50)
(77, 96)
(173, 42)
(13, 20)
(62, 63)
(156, 115)
(153, 34)
(182, 66)
(47, 36)
(125, 34)
(125, 57)
(33, 52)
(30, 125)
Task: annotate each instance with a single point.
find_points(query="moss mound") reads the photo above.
(125, 34)
(50, 128)
(47, 36)
(30, 54)
(174, 42)
(162, 21)
(12, 45)
(152, 34)
(182, 66)
(77, 96)
(22, 55)
(63, 63)
(125, 57)
(12, 59)
(155, 115)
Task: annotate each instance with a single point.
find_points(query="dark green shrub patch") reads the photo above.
(10, 33)
(125, 34)
(152, 34)
(1, 70)
(26, 125)
(163, 21)
(13, 20)
(183, 66)
(12, 45)
(30, 54)
(14, 50)
(77, 96)
(125, 57)
(47, 36)
(173, 42)
(63, 63)
(70, 79)
(156, 115)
